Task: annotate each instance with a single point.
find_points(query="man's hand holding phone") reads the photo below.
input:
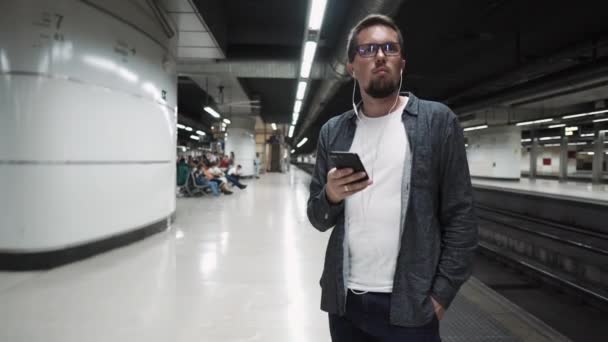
(341, 183)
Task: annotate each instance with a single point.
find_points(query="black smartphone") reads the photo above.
(348, 160)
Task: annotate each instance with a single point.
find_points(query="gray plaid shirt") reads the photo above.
(438, 223)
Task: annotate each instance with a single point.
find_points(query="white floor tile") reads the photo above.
(236, 268)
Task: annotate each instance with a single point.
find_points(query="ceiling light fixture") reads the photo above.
(301, 90)
(475, 128)
(212, 112)
(291, 129)
(189, 129)
(309, 55)
(525, 123)
(226, 121)
(584, 114)
(274, 126)
(557, 126)
(194, 137)
(200, 132)
(600, 120)
(317, 12)
(302, 142)
(181, 126)
(297, 106)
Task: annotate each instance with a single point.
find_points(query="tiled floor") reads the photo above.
(240, 268)
(243, 267)
(596, 193)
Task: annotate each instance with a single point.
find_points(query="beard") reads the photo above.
(379, 88)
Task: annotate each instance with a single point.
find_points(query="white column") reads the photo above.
(87, 123)
(598, 157)
(533, 155)
(241, 141)
(563, 159)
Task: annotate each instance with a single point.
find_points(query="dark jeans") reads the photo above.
(367, 320)
(234, 180)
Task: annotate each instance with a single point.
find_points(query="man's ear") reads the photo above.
(350, 69)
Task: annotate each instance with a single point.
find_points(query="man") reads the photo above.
(234, 176)
(256, 166)
(225, 163)
(403, 241)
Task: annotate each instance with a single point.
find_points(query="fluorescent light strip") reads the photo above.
(297, 106)
(274, 126)
(301, 90)
(302, 142)
(194, 137)
(552, 145)
(309, 55)
(525, 123)
(557, 126)
(584, 114)
(212, 112)
(291, 129)
(226, 121)
(292, 151)
(475, 128)
(600, 120)
(189, 129)
(588, 135)
(549, 138)
(200, 132)
(317, 11)
(577, 144)
(181, 126)
(526, 140)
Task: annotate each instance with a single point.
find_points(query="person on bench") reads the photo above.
(220, 181)
(202, 181)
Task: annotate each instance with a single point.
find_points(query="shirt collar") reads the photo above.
(410, 108)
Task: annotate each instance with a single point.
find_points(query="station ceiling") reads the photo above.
(465, 53)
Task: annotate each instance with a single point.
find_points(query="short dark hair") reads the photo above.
(239, 166)
(369, 21)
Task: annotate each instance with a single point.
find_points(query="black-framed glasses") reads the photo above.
(371, 50)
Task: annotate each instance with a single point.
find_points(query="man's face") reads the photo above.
(379, 76)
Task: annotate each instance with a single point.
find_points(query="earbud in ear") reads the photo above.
(354, 74)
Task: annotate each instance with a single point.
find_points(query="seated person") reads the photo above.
(225, 164)
(217, 178)
(201, 180)
(183, 170)
(234, 176)
(217, 172)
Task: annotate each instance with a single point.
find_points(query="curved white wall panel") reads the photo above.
(88, 110)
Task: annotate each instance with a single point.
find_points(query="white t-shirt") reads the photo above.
(233, 171)
(373, 216)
